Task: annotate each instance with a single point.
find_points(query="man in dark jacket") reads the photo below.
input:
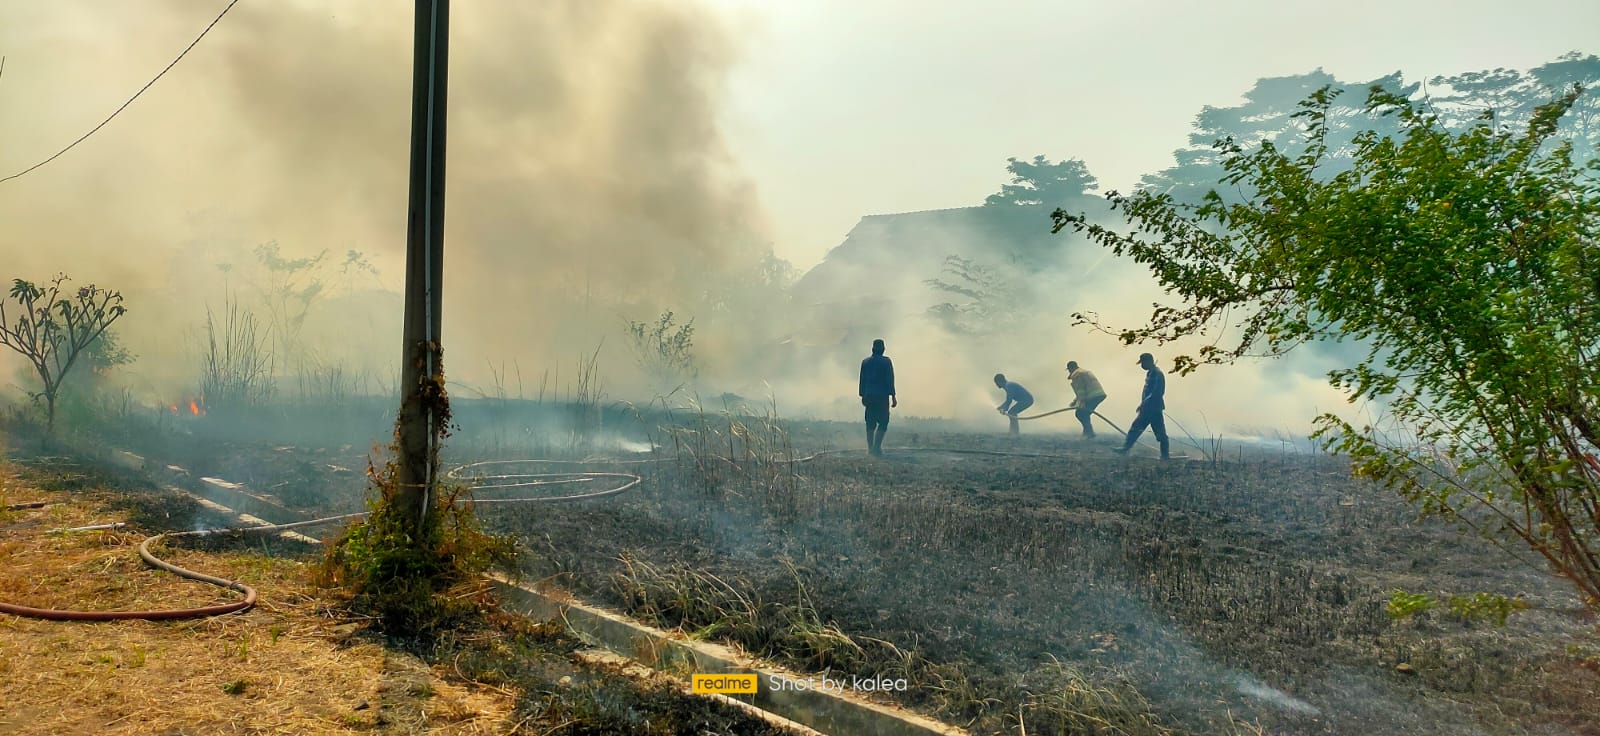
(1152, 407)
(877, 395)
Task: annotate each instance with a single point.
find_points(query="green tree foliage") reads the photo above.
(416, 579)
(1267, 115)
(664, 349)
(1043, 182)
(106, 352)
(1508, 99)
(54, 325)
(1466, 261)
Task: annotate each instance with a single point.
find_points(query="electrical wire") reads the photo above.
(125, 105)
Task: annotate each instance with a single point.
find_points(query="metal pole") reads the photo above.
(421, 379)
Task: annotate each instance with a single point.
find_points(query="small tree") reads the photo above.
(1043, 182)
(993, 297)
(664, 349)
(1465, 261)
(52, 330)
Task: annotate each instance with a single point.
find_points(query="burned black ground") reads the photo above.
(1246, 590)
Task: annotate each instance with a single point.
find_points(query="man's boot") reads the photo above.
(872, 443)
(1164, 450)
(877, 442)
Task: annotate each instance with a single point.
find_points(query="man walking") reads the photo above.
(877, 395)
(1152, 405)
(1017, 399)
(1086, 396)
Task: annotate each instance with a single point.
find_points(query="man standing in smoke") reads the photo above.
(1086, 396)
(877, 395)
(1152, 405)
(1017, 399)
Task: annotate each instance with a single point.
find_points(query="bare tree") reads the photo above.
(52, 330)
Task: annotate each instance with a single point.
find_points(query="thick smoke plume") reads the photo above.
(588, 181)
(589, 184)
(1028, 333)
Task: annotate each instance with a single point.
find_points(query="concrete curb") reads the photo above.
(232, 495)
(838, 714)
(220, 496)
(841, 714)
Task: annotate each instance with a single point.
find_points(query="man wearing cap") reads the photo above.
(1087, 395)
(1017, 399)
(877, 395)
(1152, 405)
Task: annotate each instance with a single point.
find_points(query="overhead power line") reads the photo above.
(135, 96)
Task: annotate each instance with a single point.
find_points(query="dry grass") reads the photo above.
(288, 666)
(1056, 699)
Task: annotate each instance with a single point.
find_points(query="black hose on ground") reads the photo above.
(503, 481)
(1097, 414)
(22, 506)
(149, 557)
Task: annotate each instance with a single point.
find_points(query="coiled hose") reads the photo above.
(501, 481)
(512, 480)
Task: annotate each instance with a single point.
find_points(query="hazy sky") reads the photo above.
(842, 108)
(289, 124)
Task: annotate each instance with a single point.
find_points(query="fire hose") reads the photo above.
(1072, 408)
(1102, 418)
(23, 506)
(504, 481)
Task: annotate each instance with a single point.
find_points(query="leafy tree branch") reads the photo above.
(1466, 261)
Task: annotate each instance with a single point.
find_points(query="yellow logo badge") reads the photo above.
(724, 684)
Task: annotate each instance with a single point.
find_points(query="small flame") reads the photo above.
(194, 408)
(173, 408)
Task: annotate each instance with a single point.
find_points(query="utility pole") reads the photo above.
(421, 374)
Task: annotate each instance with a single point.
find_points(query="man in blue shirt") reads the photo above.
(1152, 407)
(877, 395)
(1017, 399)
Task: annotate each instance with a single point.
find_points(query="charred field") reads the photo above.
(1038, 585)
